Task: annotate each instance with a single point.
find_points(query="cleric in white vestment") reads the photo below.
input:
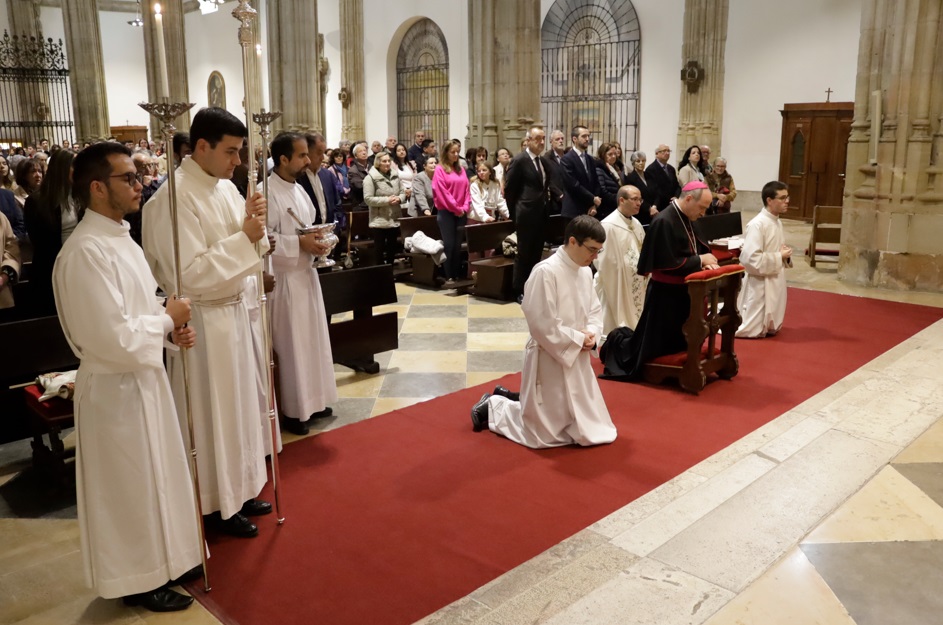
(560, 402)
(299, 320)
(764, 256)
(620, 288)
(136, 511)
(217, 255)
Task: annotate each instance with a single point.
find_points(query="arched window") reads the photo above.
(591, 52)
(422, 83)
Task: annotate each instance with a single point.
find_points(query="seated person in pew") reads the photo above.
(670, 252)
(136, 509)
(420, 199)
(765, 256)
(620, 288)
(560, 402)
(9, 262)
(299, 321)
(487, 201)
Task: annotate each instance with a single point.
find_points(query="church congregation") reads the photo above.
(189, 269)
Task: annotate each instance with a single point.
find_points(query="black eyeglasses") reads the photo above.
(593, 250)
(130, 178)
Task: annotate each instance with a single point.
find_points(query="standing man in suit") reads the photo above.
(527, 191)
(319, 184)
(663, 178)
(582, 196)
(553, 158)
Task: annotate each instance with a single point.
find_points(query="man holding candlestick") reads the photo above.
(218, 232)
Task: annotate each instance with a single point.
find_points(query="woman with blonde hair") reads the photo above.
(487, 203)
(452, 193)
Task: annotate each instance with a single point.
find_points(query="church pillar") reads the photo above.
(504, 59)
(33, 103)
(892, 221)
(293, 64)
(24, 18)
(352, 79)
(176, 50)
(86, 69)
(702, 74)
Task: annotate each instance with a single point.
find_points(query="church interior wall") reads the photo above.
(780, 53)
(126, 80)
(329, 23)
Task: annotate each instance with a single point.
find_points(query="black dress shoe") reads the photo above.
(192, 575)
(322, 414)
(256, 507)
(239, 526)
(479, 414)
(161, 600)
(295, 426)
(520, 299)
(503, 392)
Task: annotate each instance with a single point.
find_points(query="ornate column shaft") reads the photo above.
(175, 42)
(352, 79)
(293, 64)
(32, 103)
(702, 94)
(87, 69)
(892, 222)
(503, 104)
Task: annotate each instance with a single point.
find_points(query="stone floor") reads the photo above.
(830, 514)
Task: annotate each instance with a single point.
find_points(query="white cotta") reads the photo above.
(621, 290)
(137, 517)
(762, 298)
(216, 258)
(561, 403)
(299, 319)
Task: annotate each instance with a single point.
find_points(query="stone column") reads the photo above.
(702, 74)
(24, 18)
(892, 222)
(86, 69)
(352, 79)
(504, 59)
(294, 72)
(176, 49)
(32, 103)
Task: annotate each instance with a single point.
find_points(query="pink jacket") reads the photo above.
(451, 191)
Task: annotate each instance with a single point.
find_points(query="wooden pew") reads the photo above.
(826, 228)
(362, 250)
(495, 272)
(32, 347)
(355, 342)
(424, 269)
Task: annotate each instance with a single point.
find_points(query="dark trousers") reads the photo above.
(385, 241)
(452, 228)
(531, 224)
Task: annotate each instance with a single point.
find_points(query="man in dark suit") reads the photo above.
(583, 195)
(553, 157)
(319, 184)
(527, 192)
(662, 178)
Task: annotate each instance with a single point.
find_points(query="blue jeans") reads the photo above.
(452, 228)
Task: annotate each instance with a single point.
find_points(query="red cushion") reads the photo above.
(723, 255)
(678, 360)
(711, 274)
(53, 408)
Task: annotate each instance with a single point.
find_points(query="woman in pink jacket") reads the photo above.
(451, 192)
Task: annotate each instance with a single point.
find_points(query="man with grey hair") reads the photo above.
(670, 252)
(527, 192)
(663, 177)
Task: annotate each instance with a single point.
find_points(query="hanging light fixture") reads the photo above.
(210, 6)
(137, 22)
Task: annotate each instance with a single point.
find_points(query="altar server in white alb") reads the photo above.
(620, 288)
(136, 512)
(560, 402)
(299, 320)
(765, 257)
(218, 235)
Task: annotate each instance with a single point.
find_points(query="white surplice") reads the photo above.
(137, 517)
(299, 320)
(216, 257)
(561, 403)
(621, 290)
(762, 298)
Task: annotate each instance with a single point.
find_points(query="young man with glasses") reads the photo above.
(136, 511)
(560, 402)
(765, 256)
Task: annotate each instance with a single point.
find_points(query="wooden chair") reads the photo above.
(826, 228)
(424, 269)
(708, 289)
(355, 342)
(494, 273)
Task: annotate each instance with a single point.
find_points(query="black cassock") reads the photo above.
(670, 252)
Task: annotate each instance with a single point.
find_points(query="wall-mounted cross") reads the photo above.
(828, 94)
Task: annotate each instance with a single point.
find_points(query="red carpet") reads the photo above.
(393, 518)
